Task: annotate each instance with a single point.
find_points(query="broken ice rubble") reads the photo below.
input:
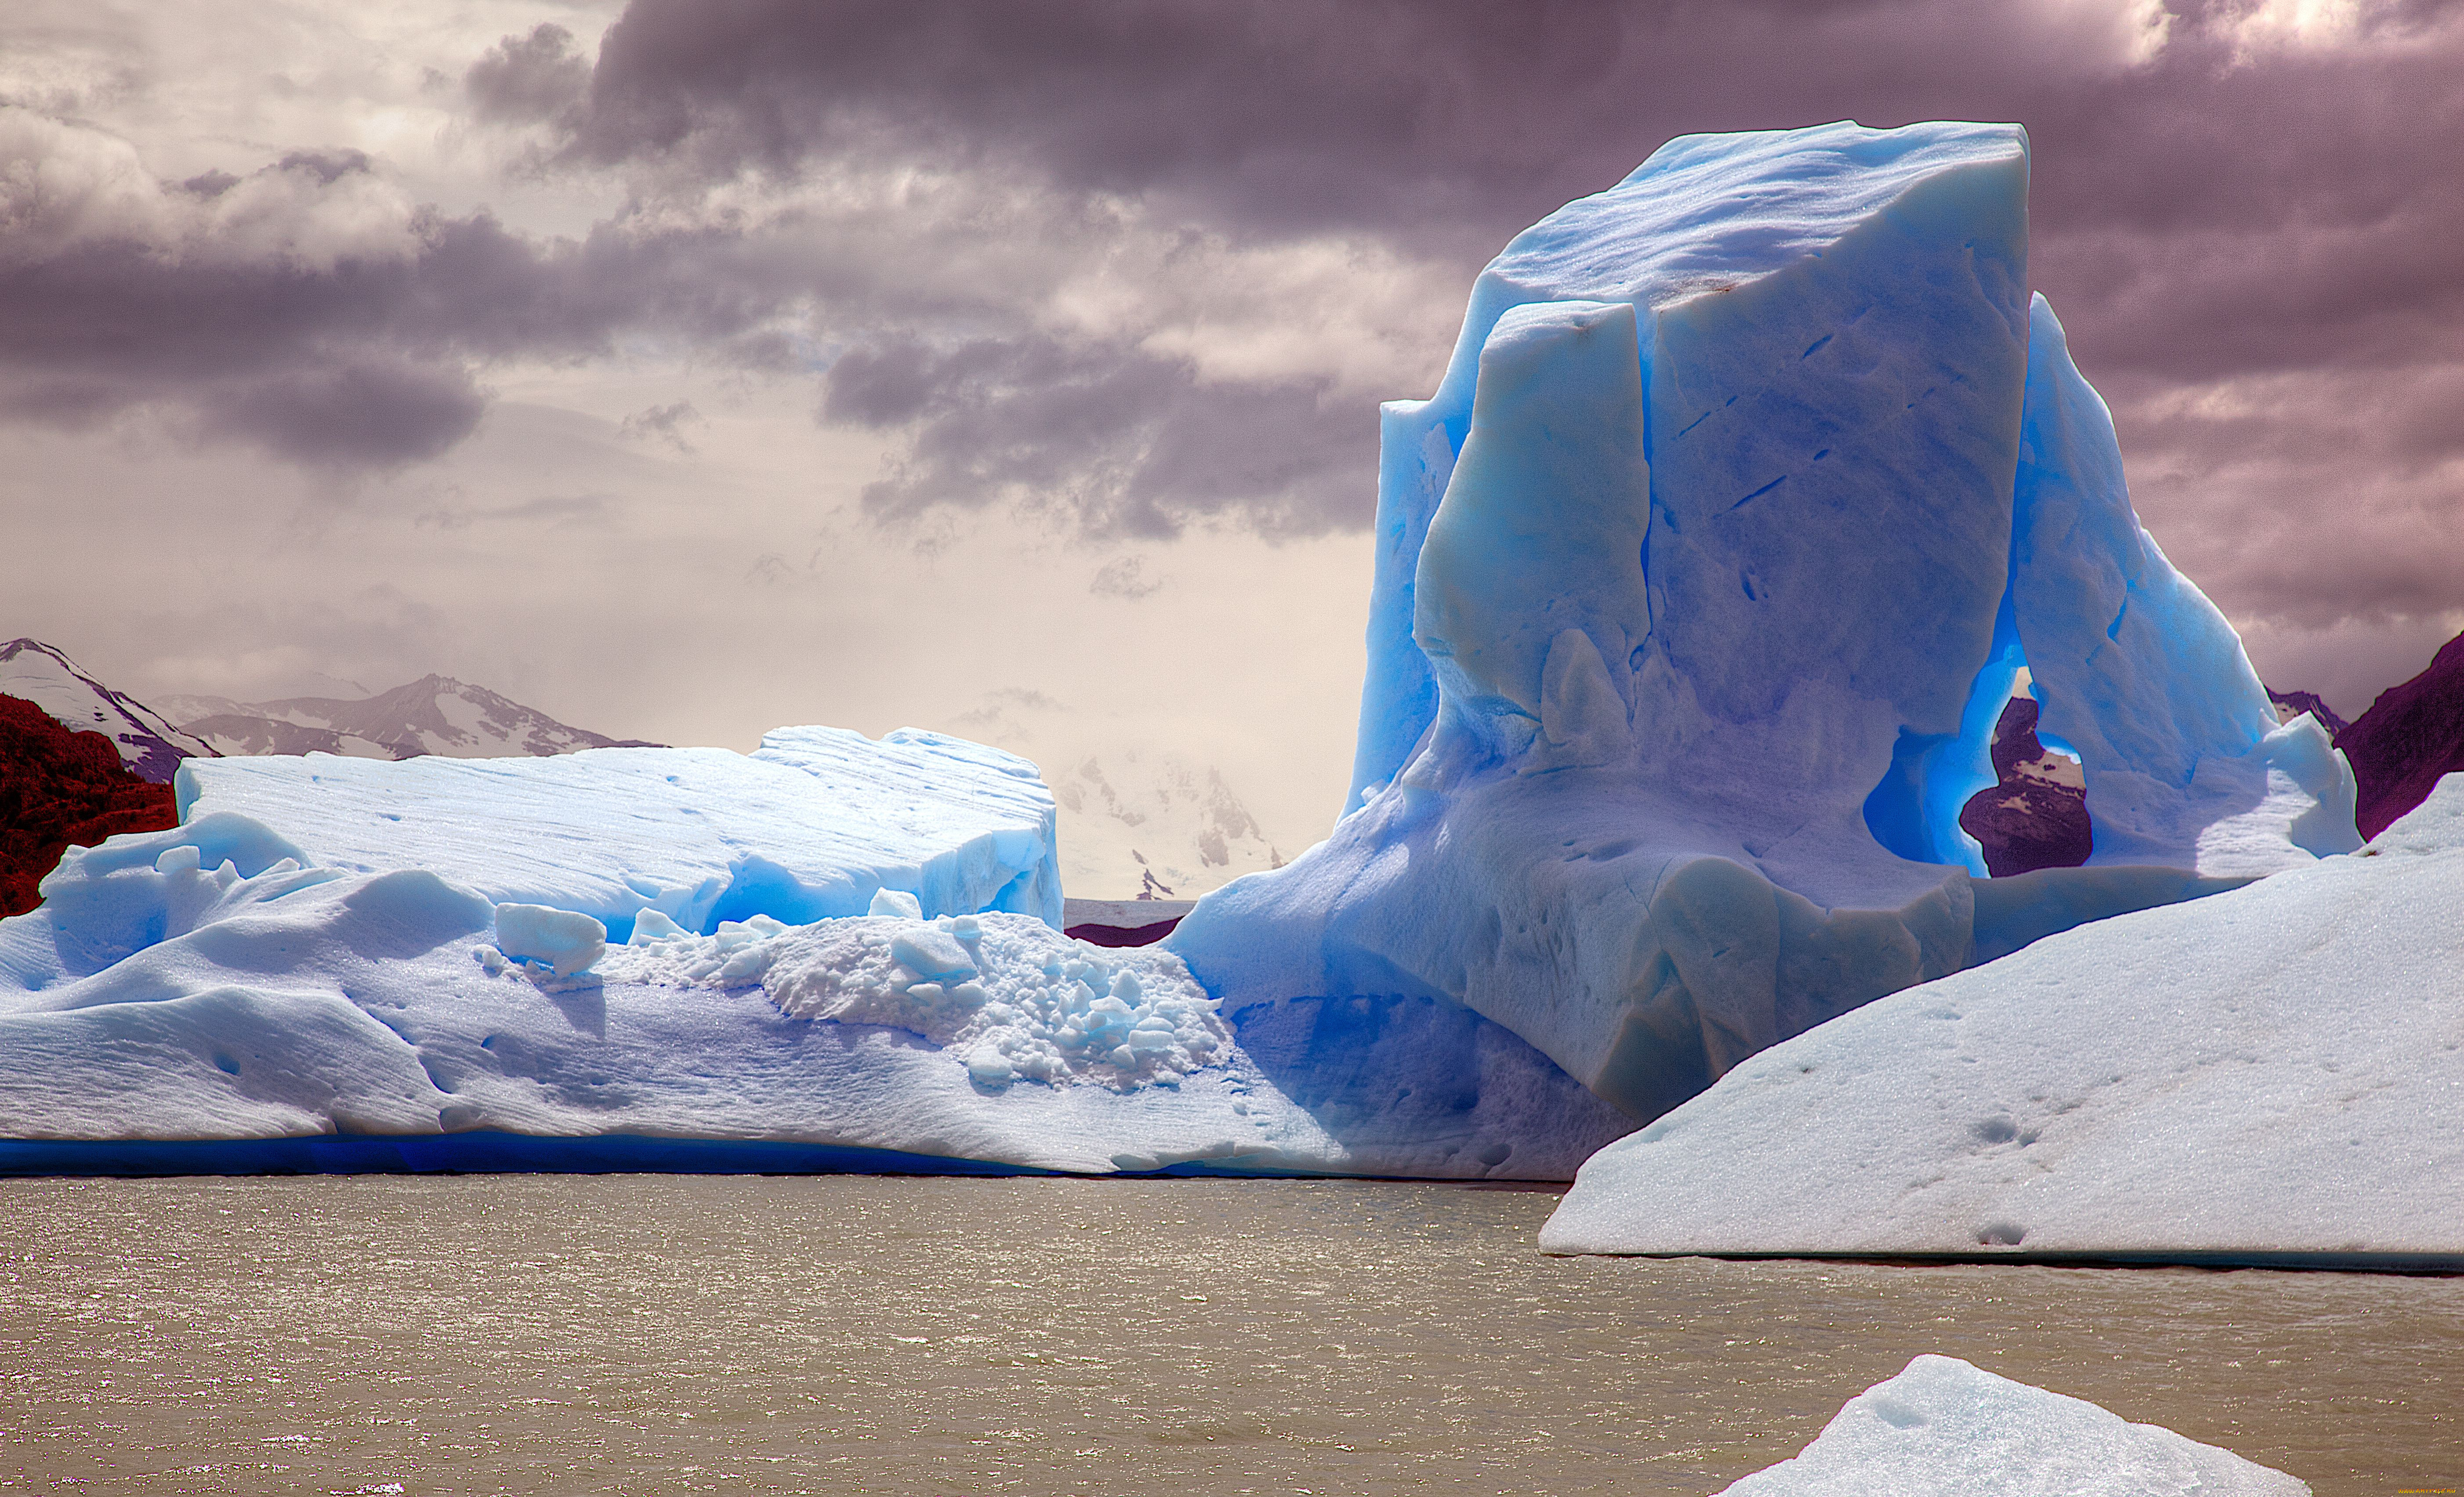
(201, 985)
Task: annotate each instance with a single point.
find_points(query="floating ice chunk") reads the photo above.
(558, 939)
(932, 954)
(307, 1004)
(897, 902)
(2271, 1072)
(1944, 1428)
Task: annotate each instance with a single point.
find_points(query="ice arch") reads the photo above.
(1750, 484)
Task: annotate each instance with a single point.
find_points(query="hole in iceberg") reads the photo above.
(1914, 811)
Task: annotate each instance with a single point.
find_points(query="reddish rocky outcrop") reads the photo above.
(2033, 818)
(59, 788)
(2410, 736)
(1122, 934)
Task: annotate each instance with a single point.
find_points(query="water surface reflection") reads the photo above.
(655, 1333)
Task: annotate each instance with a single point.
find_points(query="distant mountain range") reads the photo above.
(434, 714)
(1152, 826)
(2290, 705)
(1136, 822)
(1145, 825)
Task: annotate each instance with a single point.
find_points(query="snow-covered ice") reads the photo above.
(1944, 1428)
(2277, 1073)
(201, 984)
(561, 941)
(1698, 596)
(808, 826)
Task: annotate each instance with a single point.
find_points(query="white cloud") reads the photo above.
(2294, 26)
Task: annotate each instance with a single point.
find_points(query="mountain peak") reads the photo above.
(149, 745)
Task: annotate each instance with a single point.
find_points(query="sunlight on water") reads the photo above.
(658, 1333)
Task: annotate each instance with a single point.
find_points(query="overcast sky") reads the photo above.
(685, 367)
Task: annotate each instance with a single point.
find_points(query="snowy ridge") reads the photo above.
(149, 745)
(811, 825)
(434, 714)
(1136, 822)
(1154, 825)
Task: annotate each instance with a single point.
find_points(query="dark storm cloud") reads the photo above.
(360, 359)
(528, 79)
(2265, 224)
(352, 411)
(2239, 206)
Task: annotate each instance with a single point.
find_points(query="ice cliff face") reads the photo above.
(1754, 483)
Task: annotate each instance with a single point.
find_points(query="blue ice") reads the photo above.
(1752, 486)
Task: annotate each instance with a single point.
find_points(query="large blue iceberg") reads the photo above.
(1753, 484)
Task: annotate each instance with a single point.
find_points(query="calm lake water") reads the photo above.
(663, 1334)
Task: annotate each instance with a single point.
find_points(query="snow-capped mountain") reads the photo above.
(1135, 823)
(1152, 826)
(2290, 705)
(150, 746)
(434, 714)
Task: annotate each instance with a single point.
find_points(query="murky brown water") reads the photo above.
(660, 1334)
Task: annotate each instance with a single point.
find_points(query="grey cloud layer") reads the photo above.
(2250, 235)
(364, 356)
(2225, 212)
(1128, 442)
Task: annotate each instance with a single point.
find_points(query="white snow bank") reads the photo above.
(199, 985)
(2276, 1070)
(1943, 1428)
(809, 826)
